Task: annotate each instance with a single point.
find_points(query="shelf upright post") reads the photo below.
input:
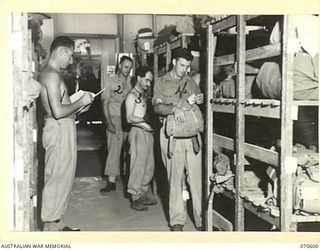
(184, 41)
(155, 52)
(287, 162)
(168, 54)
(155, 65)
(240, 130)
(211, 47)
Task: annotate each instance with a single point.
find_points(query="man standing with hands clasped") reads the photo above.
(175, 94)
(59, 135)
(117, 87)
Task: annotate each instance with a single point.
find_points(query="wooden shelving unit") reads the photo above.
(166, 48)
(286, 110)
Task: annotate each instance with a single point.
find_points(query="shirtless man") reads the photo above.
(59, 135)
(141, 142)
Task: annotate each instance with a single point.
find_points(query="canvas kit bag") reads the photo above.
(307, 191)
(306, 186)
(189, 129)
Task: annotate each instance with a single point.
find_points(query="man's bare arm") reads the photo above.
(130, 106)
(51, 81)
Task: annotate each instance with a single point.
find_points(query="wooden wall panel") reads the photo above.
(25, 152)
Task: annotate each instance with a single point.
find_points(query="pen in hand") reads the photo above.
(99, 92)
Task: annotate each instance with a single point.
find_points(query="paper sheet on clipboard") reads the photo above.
(76, 96)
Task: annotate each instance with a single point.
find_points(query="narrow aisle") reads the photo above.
(91, 211)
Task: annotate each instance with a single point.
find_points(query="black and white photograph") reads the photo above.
(147, 122)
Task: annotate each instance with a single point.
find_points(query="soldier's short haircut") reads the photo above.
(142, 71)
(123, 58)
(183, 53)
(62, 41)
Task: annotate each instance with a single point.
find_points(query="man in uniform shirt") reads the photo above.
(171, 91)
(117, 87)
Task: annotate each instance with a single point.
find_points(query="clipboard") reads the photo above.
(95, 95)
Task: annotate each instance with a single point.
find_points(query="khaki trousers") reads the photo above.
(184, 160)
(114, 147)
(59, 141)
(141, 162)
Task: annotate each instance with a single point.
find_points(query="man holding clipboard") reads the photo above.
(79, 94)
(59, 135)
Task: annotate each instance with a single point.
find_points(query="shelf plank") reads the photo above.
(89, 35)
(248, 18)
(224, 24)
(269, 112)
(250, 150)
(223, 141)
(303, 218)
(251, 70)
(271, 214)
(256, 102)
(176, 43)
(263, 214)
(263, 109)
(252, 107)
(251, 55)
(262, 154)
(268, 215)
(263, 102)
(228, 22)
(262, 20)
(222, 108)
(306, 103)
(161, 50)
